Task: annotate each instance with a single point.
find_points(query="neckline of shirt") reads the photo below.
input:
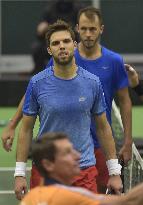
(62, 79)
(90, 60)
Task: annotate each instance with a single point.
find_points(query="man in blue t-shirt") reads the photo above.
(109, 67)
(66, 97)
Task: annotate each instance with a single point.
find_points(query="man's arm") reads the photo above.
(104, 135)
(9, 131)
(135, 83)
(126, 114)
(23, 145)
(107, 143)
(133, 197)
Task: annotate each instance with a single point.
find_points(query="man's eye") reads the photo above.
(67, 41)
(83, 29)
(93, 29)
(55, 43)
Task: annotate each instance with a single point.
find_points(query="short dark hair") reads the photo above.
(59, 25)
(44, 148)
(90, 12)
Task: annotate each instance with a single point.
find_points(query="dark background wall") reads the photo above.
(122, 18)
(123, 33)
(12, 91)
(19, 21)
(123, 21)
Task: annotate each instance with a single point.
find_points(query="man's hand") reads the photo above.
(7, 138)
(20, 187)
(115, 184)
(132, 76)
(125, 153)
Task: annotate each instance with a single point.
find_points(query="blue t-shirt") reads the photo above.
(67, 106)
(111, 72)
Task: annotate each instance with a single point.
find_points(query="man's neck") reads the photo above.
(66, 72)
(90, 53)
(57, 180)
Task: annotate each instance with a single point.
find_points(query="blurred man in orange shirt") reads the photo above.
(57, 160)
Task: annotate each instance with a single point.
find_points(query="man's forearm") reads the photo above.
(114, 168)
(107, 142)
(25, 137)
(18, 115)
(135, 196)
(126, 115)
(23, 145)
(15, 120)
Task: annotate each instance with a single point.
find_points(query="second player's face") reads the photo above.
(89, 30)
(61, 47)
(66, 164)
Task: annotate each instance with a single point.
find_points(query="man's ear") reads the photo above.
(77, 28)
(49, 51)
(101, 29)
(75, 44)
(48, 165)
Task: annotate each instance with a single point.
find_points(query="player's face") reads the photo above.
(61, 47)
(89, 30)
(66, 164)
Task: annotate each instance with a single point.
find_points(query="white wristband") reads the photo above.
(114, 168)
(20, 169)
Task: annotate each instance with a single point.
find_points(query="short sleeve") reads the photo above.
(30, 106)
(99, 105)
(121, 78)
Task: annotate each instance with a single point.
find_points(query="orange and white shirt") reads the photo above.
(60, 195)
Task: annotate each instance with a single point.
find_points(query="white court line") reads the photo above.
(12, 169)
(7, 192)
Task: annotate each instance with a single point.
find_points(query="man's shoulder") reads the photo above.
(71, 195)
(111, 54)
(87, 75)
(107, 54)
(42, 75)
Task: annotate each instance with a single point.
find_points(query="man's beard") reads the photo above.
(90, 43)
(65, 61)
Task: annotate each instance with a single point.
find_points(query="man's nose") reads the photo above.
(62, 45)
(88, 33)
(77, 154)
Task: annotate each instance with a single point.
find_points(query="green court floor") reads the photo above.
(7, 159)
